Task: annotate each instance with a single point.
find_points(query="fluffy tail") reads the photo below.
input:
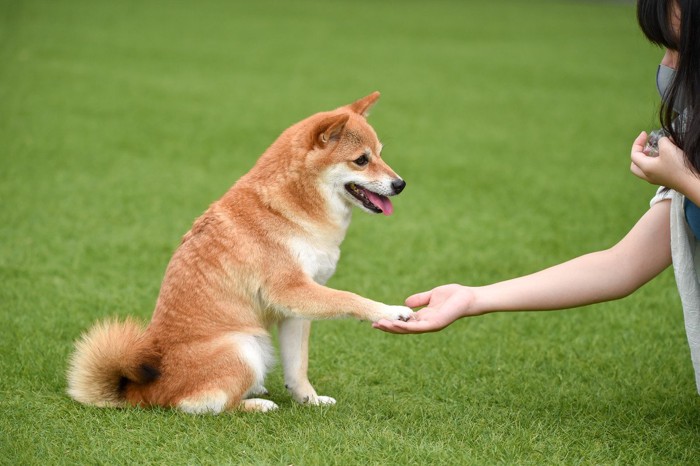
(107, 357)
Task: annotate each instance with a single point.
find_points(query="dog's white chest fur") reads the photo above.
(317, 258)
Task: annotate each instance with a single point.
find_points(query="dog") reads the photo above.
(258, 256)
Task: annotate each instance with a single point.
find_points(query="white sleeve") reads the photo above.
(661, 195)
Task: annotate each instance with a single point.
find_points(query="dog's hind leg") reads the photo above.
(224, 374)
(257, 405)
(217, 400)
(294, 349)
(212, 401)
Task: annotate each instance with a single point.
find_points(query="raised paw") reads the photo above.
(396, 313)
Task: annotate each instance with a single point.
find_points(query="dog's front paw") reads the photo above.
(313, 399)
(395, 313)
(319, 400)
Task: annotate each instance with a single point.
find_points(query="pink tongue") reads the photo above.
(382, 202)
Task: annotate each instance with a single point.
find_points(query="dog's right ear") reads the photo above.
(364, 105)
(327, 130)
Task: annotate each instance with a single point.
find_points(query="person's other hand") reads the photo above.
(668, 169)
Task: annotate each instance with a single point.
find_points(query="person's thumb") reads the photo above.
(419, 299)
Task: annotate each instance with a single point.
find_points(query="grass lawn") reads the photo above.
(511, 121)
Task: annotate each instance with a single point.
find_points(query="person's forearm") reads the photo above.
(588, 279)
(600, 276)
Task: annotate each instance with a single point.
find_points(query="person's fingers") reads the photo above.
(419, 299)
(411, 326)
(636, 171)
(386, 326)
(640, 164)
(639, 158)
(639, 142)
(391, 325)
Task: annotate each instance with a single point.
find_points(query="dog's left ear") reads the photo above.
(328, 130)
(364, 105)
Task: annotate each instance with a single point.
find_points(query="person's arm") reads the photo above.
(600, 276)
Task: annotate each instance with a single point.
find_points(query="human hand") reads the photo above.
(444, 305)
(668, 169)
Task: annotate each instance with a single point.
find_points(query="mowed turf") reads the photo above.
(120, 122)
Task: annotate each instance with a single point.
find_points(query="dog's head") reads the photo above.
(347, 151)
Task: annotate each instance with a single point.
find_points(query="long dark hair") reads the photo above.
(654, 17)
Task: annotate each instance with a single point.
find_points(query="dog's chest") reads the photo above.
(317, 258)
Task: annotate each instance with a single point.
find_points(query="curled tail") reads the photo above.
(106, 358)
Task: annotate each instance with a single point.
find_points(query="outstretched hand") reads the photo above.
(443, 305)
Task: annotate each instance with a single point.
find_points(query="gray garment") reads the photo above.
(686, 267)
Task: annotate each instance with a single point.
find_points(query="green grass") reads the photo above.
(511, 122)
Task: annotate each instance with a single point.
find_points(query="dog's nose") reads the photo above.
(398, 185)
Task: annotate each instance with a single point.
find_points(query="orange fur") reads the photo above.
(258, 256)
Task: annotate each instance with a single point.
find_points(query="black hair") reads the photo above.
(654, 18)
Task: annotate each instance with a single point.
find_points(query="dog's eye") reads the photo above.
(362, 160)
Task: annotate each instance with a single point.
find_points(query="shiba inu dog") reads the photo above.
(260, 255)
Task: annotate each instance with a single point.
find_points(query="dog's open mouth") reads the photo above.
(370, 200)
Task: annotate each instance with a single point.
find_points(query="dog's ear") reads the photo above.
(328, 130)
(364, 105)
